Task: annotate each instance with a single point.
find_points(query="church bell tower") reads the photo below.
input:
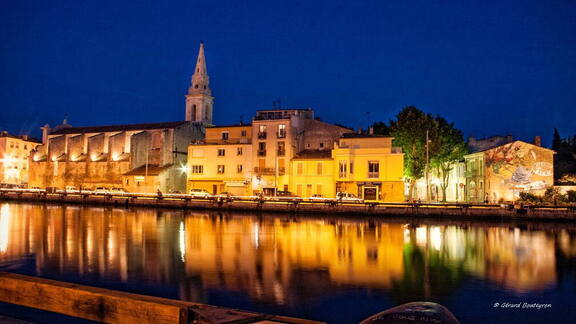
(199, 99)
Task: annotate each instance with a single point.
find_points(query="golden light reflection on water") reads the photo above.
(276, 259)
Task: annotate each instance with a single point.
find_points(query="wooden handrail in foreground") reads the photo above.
(111, 306)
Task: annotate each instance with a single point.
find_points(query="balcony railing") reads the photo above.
(261, 152)
(281, 134)
(281, 152)
(373, 174)
(261, 135)
(269, 171)
(221, 141)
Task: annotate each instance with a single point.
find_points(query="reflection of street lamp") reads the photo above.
(427, 162)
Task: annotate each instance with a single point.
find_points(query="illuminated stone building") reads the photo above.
(248, 159)
(137, 157)
(289, 150)
(14, 152)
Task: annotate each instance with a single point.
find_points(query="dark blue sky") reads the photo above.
(492, 67)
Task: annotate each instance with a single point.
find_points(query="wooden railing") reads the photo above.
(110, 306)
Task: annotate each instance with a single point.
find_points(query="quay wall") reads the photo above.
(390, 210)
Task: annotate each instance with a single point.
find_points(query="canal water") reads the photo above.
(328, 268)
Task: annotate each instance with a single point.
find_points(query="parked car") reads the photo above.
(199, 193)
(318, 197)
(71, 189)
(284, 195)
(348, 197)
(118, 191)
(101, 191)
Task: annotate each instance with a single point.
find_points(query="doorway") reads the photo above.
(370, 193)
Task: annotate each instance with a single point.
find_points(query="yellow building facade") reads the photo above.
(222, 162)
(14, 153)
(235, 159)
(369, 167)
(312, 173)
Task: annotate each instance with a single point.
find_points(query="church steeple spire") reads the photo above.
(199, 99)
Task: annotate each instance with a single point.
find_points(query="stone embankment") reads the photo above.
(459, 211)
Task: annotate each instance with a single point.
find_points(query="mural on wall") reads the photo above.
(520, 166)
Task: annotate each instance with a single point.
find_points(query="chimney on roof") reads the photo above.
(371, 131)
(538, 140)
(45, 131)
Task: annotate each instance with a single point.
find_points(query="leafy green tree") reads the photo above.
(409, 132)
(447, 146)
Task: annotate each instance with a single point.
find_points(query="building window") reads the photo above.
(319, 189)
(239, 151)
(221, 152)
(262, 149)
(225, 136)
(299, 190)
(351, 167)
(321, 145)
(281, 149)
(221, 169)
(239, 168)
(262, 132)
(373, 169)
(197, 169)
(299, 168)
(319, 168)
(25, 147)
(342, 169)
(282, 131)
(243, 133)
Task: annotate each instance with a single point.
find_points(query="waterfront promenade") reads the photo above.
(437, 210)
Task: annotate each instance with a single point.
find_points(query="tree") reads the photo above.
(447, 147)
(409, 132)
(565, 157)
(556, 141)
(381, 128)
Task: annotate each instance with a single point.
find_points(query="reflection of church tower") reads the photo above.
(199, 99)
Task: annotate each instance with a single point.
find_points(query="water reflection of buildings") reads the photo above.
(518, 260)
(272, 259)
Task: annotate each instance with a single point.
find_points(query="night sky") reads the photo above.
(492, 67)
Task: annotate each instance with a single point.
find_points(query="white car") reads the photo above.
(101, 191)
(319, 198)
(71, 189)
(118, 191)
(348, 197)
(199, 193)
